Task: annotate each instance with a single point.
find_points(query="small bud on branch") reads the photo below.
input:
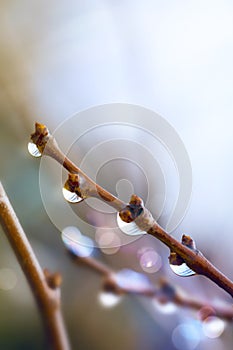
(135, 211)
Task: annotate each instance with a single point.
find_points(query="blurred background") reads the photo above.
(172, 57)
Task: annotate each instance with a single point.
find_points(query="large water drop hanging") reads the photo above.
(33, 150)
(71, 197)
(130, 229)
(182, 270)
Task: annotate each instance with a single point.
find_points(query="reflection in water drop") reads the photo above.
(33, 149)
(182, 270)
(78, 244)
(71, 197)
(109, 299)
(213, 327)
(129, 228)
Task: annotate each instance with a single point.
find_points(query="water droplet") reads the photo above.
(129, 228)
(71, 197)
(150, 260)
(165, 308)
(77, 243)
(33, 149)
(108, 299)
(213, 327)
(182, 270)
(132, 280)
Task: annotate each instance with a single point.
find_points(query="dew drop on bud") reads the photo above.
(213, 327)
(71, 197)
(33, 150)
(108, 299)
(165, 308)
(130, 228)
(182, 270)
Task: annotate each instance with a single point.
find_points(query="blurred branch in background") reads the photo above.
(127, 281)
(44, 285)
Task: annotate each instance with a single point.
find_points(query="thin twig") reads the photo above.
(163, 293)
(181, 252)
(44, 286)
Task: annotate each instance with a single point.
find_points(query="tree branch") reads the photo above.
(44, 286)
(164, 292)
(181, 252)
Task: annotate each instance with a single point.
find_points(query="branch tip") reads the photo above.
(132, 210)
(167, 291)
(175, 259)
(136, 201)
(73, 185)
(188, 242)
(40, 136)
(53, 280)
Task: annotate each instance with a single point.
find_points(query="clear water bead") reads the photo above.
(130, 228)
(33, 149)
(71, 197)
(182, 270)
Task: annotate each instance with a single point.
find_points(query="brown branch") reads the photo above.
(44, 286)
(163, 293)
(181, 252)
